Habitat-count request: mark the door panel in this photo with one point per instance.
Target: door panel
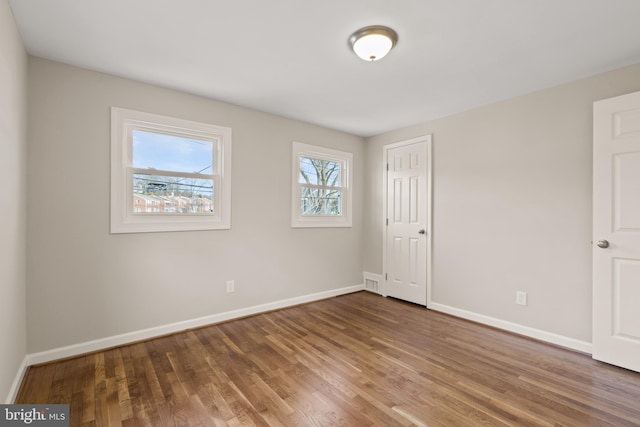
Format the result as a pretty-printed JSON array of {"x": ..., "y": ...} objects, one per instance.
[
  {"x": 616, "y": 220},
  {"x": 626, "y": 295},
  {"x": 407, "y": 213},
  {"x": 626, "y": 185}
]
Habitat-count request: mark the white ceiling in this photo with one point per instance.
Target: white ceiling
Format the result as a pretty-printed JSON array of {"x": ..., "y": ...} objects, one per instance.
[{"x": 291, "y": 58}]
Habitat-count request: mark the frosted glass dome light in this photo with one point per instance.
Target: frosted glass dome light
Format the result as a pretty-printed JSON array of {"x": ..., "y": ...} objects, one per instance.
[{"x": 373, "y": 43}]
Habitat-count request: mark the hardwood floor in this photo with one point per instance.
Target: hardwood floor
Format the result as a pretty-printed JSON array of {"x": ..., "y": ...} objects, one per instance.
[{"x": 354, "y": 360}]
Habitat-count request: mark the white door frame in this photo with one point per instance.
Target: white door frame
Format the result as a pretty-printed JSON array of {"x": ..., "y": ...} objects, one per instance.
[{"x": 427, "y": 193}]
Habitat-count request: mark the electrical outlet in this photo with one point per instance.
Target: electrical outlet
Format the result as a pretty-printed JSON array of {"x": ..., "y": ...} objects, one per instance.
[
  {"x": 231, "y": 286},
  {"x": 521, "y": 298}
]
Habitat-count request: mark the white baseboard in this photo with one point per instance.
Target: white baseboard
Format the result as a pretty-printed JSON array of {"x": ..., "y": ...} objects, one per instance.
[
  {"x": 15, "y": 387},
  {"x": 574, "y": 344},
  {"x": 145, "y": 334}
]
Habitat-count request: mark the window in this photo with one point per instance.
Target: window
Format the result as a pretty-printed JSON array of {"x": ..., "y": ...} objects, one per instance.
[
  {"x": 168, "y": 174},
  {"x": 321, "y": 195}
]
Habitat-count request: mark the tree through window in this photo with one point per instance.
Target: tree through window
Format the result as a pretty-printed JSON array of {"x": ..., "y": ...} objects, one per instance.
[
  {"x": 321, "y": 196},
  {"x": 321, "y": 193}
]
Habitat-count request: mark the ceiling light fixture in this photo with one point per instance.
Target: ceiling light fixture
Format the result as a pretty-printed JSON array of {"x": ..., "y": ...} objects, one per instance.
[{"x": 373, "y": 42}]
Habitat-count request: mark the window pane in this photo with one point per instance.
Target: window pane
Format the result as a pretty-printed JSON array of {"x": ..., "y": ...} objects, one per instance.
[
  {"x": 172, "y": 195},
  {"x": 320, "y": 201},
  {"x": 319, "y": 172},
  {"x": 171, "y": 153}
]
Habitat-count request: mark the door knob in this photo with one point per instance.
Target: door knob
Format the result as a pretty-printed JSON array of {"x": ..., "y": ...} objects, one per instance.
[
  {"x": 603, "y": 244},
  {"x": 422, "y": 231}
]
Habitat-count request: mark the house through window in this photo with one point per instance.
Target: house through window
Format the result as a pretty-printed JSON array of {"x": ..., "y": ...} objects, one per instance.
[{"x": 168, "y": 174}]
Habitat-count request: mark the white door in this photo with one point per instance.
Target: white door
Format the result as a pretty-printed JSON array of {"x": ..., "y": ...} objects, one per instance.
[
  {"x": 407, "y": 223},
  {"x": 616, "y": 231}
]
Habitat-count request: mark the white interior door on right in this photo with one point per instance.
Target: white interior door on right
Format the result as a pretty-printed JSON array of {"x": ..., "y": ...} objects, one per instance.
[
  {"x": 408, "y": 223},
  {"x": 616, "y": 231}
]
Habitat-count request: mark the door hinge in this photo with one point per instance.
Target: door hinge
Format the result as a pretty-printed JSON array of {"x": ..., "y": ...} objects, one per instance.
[
  {"x": 386, "y": 277},
  {"x": 387, "y": 167},
  {"x": 387, "y": 221}
]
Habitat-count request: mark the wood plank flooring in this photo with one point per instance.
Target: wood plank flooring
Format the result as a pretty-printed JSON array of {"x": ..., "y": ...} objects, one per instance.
[{"x": 354, "y": 360}]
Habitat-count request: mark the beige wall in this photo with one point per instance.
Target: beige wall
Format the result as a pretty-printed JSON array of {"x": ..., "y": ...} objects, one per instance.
[
  {"x": 13, "y": 139},
  {"x": 512, "y": 205},
  {"x": 86, "y": 284}
]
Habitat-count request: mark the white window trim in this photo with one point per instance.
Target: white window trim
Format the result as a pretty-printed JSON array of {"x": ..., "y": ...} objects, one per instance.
[
  {"x": 309, "y": 221},
  {"x": 123, "y": 219}
]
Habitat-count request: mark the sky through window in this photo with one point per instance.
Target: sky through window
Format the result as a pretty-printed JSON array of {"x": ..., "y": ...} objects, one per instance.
[{"x": 171, "y": 153}]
